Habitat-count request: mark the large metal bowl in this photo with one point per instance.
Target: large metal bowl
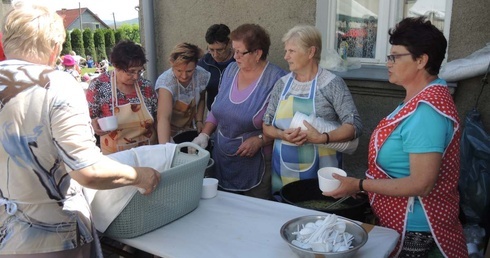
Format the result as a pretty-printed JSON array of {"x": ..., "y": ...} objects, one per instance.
[{"x": 360, "y": 237}]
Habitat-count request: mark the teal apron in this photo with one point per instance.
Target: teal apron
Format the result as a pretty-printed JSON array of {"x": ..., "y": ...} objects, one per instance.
[{"x": 291, "y": 162}]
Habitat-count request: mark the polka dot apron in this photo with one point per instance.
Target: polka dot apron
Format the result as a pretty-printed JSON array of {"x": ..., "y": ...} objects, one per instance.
[{"x": 441, "y": 205}]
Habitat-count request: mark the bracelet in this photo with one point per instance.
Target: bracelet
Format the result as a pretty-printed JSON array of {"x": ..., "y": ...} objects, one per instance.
[
  {"x": 328, "y": 138},
  {"x": 360, "y": 185}
]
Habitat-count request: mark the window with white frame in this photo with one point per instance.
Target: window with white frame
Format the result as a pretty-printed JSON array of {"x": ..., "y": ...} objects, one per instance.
[{"x": 358, "y": 29}]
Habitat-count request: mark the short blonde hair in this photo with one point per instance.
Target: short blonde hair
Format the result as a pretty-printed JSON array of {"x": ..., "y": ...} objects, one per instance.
[
  {"x": 185, "y": 53},
  {"x": 305, "y": 36},
  {"x": 32, "y": 32}
]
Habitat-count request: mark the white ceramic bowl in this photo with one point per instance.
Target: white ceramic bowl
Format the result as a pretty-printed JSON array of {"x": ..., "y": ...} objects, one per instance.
[{"x": 325, "y": 180}]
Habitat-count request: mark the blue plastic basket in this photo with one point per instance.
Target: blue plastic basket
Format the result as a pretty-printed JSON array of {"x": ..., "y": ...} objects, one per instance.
[{"x": 177, "y": 194}]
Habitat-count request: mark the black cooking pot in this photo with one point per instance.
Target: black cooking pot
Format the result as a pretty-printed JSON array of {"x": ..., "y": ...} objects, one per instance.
[
  {"x": 188, "y": 136},
  {"x": 307, "y": 194}
]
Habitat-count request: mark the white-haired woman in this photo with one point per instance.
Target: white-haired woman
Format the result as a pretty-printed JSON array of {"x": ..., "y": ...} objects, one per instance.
[
  {"x": 311, "y": 90},
  {"x": 47, "y": 148}
]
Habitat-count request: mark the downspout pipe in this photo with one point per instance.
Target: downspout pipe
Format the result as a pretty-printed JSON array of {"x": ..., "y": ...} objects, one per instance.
[{"x": 150, "y": 49}]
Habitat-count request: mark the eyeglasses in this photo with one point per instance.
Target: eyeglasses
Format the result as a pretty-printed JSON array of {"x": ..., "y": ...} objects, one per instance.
[
  {"x": 138, "y": 73},
  {"x": 240, "y": 54},
  {"x": 392, "y": 58}
]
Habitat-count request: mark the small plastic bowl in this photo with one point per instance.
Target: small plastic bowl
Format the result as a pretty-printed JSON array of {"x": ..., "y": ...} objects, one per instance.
[
  {"x": 108, "y": 123},
  {"x": 326, "y": 182}
]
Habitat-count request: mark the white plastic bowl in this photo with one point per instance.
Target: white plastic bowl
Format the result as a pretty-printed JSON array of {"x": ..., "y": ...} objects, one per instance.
[{"x": 326, "y": 182}]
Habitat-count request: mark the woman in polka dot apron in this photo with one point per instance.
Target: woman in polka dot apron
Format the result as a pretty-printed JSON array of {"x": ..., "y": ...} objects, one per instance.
[{"x": 413, "y": 162}]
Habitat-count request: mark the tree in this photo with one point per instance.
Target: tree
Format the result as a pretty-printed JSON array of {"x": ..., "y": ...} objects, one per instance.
[
  {"x": 132, "y": 32},
  {"x": 110, "y": 41},
  {"x": 77, "y": 42},
  {"x": 120, "y": 35},
  {"x": 66, "y": 45},
  {"x": 88, "y": 42},
  {"x": 99, "y": 42}
]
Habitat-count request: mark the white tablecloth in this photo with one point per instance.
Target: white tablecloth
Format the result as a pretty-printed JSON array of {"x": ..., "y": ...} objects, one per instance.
[{"x": 232, "y": 225}]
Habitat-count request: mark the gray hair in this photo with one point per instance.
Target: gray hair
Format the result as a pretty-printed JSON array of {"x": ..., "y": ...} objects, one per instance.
[{"x": 305, "y": 36}]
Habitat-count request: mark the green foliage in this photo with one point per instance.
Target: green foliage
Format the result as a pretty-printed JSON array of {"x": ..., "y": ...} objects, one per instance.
[
  {"x": 110, "y": 41},
  {"x": 88, "y": 42},
  {"x": 99, "y": 41},
  {"x": 77, "y": 42},
  {"x": 66, "y": 45},
  {"x": 120, "y": 35},
  {"x": 132, "y": 31}
]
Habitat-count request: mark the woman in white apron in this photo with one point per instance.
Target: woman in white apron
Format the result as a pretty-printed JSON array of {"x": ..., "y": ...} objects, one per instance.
[
  {"x": 311, "y": 90},
  {"x": 181, "y": 91},
  {"x": 125, "y": 94}
]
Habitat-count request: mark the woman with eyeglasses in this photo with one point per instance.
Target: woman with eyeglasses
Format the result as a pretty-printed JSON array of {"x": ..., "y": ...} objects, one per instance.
[
  {"x": 219, "y": 56},
  {"x": 241, "y": 152},
  {"x": 181, "y": 92},
  {"x": 413, "y": 162},
  {"x": 124, "y": 93},
  {"x": 313, "y": 91}
]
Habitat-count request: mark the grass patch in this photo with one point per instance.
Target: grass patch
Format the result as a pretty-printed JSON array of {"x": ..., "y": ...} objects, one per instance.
[
  {"x": 92, "y": 70},
  {"x": 88, "y": 70}
]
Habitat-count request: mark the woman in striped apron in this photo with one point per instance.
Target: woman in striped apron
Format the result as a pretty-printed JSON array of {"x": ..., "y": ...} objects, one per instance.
[{"x": 311, "y": 90}]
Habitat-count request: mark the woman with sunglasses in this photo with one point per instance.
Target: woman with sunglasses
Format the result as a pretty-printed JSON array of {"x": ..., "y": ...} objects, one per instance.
[
  {"x": 219, "y": 56},
  {"x": 124, "y": 93},
  {"x": 181, "y": 91},
  {"x": 241, "y": 152}
]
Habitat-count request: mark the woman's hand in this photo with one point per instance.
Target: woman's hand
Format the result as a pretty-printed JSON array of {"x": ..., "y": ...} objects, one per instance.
[
  {"x": 294, "y": 135},
  {"x": 348, "y": 186},
  {"x": 97, "y": 129},
  {"x": 147, "y": 179},
  {"x": 312, "y": 134},
  {"x": 249, "y": 147}
]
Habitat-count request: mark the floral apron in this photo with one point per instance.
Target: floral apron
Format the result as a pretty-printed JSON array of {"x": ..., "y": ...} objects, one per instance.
[
  {"x": 135, "y": 124},
  {"x": 183, "y": 113},
  {"x": 291, "y": 162},
  {"x": 441, "y": 205}
]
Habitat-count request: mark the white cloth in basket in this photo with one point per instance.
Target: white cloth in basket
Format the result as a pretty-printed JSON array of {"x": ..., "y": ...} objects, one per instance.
[{"x": 106, "y": 205}]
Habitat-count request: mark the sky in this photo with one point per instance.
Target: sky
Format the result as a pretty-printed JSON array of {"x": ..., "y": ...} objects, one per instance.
[{"x": 123, "y": 9}]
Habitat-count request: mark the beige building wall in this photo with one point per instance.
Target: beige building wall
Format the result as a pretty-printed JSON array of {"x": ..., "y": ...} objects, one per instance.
[
  {"x": 179, "y": 21},
  {"x": 184, "y": 20},
  {"x": 5, "y": 7}
]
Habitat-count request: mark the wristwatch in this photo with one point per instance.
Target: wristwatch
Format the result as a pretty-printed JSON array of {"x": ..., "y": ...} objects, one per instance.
[{"x": 261, "y": 137}]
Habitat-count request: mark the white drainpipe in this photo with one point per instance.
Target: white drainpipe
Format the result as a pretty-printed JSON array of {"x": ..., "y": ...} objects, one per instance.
[{"x": 150, "y": 50}]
